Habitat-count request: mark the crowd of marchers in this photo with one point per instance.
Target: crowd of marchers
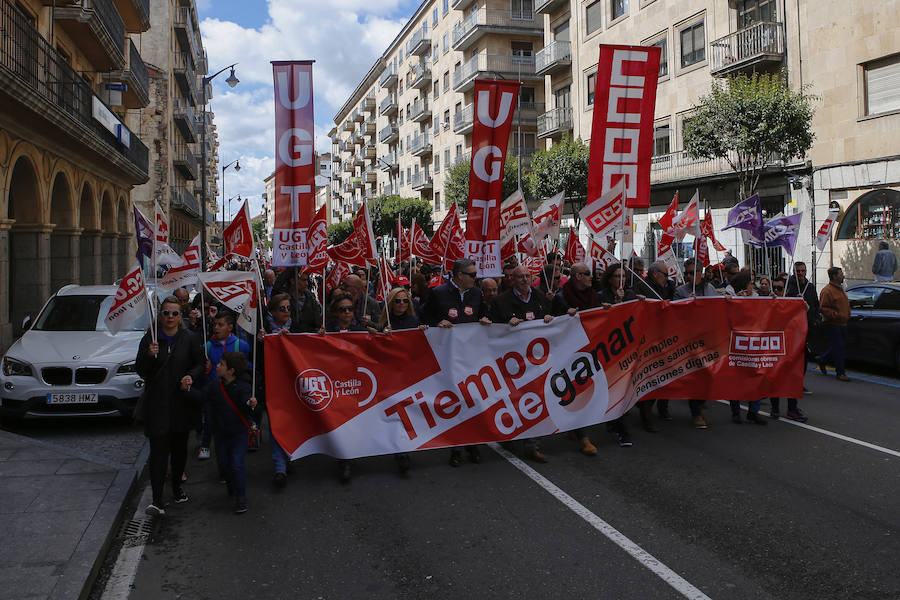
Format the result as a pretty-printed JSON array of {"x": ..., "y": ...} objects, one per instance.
[{"x": 200, "y": 368}]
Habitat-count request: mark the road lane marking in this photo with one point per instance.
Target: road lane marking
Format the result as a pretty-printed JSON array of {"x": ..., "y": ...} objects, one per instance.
[
  {"x": 826, "y": 432},
  {"x": 680, "y": 585},
  {"x": 121, "y": 579}
]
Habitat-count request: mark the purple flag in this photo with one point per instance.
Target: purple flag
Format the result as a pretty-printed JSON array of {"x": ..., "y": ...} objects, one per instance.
[
  {"x": 145, "y": 233},
  {"x": 780, "y": 231},
  {"x": 747, "y": 215}
]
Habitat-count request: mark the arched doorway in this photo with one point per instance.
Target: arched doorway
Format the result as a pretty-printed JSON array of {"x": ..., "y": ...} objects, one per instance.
[
  {"x": 28, "y": 274},
  {"x": 124, "y": 261},
  {"x": 88, "y": 221},
  {"x": 64, "y": 238},
  {"x": 108, "y": 240}
]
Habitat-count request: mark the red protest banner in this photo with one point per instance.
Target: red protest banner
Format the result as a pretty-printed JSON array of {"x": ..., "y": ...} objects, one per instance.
[
  {"x": 415, "y": 390},
  {"x": 495, "y": 103},
  {"x": 295, "y": 171},
  {"x": 622, "y": 127}
]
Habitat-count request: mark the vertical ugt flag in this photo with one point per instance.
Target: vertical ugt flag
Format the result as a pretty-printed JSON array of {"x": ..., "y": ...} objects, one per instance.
[
  {"x": 495, "y": 102},
  {"x": 295, "y": 171}
]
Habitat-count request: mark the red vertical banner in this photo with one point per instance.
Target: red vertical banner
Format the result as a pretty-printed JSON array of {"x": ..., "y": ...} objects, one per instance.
[
  {"x": 295, "y": 170},
  {"x": 622, "y": 129},
  {"x": 495, "y": 104}
]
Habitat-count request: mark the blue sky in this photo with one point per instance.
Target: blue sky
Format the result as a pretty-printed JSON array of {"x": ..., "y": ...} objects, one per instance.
[{"x": 253, "y": 34}]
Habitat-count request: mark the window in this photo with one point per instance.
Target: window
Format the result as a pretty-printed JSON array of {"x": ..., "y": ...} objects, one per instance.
[
  {"x": 401, "y": 177},
  {"x": 434, "y": 53},
  {"x": 591, "y": 86},
  {"x": 400, "y": 117},
  {"x": 882, "y": 81},
  {"x": 400, "y": 55},
  {"x": 434, "y": 16},
  {"x": 445, "y": 42},
  {"x": 522, "y": 9},
  {"x": 663, "y": 57},
  {"x": 693, "y": 48},
  {"x": 888, "y": 300},
  {"x": 446, "y": 7},
  {"x": 437, "y": 198},
  {"x": 437, "y": 162},
  {"x": 447, "y": 157},
  {"x": 754, "y": 11},
  {"x": 522, "y": 53},
  {"x": 594, "y": 16},
  {"x": 617, "y": 8},
  {"x": 875, "y": 216},
  {"x": 562, "y": 97},
  {"x": 526, "y": 98},
  {"x": 436, "y": 88},
  {"x": 561, "y": 33},
  {"x": 446, "y": 79},
  {"x": 458, "y": 151},
  {"x": 400, "y": 89},
  {"x": 447, "y": 118},
  {"x": 661, "y": 140},
  {"x": 864, "y": 297}
]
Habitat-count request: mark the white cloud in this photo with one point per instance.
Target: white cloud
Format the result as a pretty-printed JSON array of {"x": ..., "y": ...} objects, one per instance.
[{"x": 344, "y": 37}]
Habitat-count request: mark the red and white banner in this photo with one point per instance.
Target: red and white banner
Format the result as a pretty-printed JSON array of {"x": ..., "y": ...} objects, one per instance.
[
  {"x": 708, "y": 231},
  {"x": 130, "y": 303},
  {"x": 239, "y": 291},
  {"x": 185, "y": 272},
  {"x": 548, "y": 216},
  {"x": 534, "y": 264},
  {"x": 665, "y": 221},
  {"x": 606, "y": 215},
  {"x": 622, "y": 129},
  {"x": 239, "y": 234},
  {"x": 295, "y": 169},
  {"x": 664, "y": 244},
  {"x": 359, "y": 247},
  {"x": 688, "y": 221},
  {"x": 356, "y": 394},
  {"x": 601, "y": 256},
  {"x": 495, "y": 103},
  {"x": 336, "y": 276},
  {"x": 402, "y": 251},
  {"x": 448, "y": 241},
  {"x": 514, "y": 218},
  {"x": 421, "y": 245},
  {"x": 162, "y": 226},
  {"x": 824, "y": 233},
  {"x": 575, "y": 252},
  {"x": 317, "y": 242}
]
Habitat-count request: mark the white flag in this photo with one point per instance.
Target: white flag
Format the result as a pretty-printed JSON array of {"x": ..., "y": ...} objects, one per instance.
[
  {"x": 238, "y": 290},
  {"x": 824, "y": 233},
  {"x": 548, "y": 216},
  {"x": 130, "y": 302},
  {"x": 185, "y": 271},
  {"x": 604, "y": 216}
]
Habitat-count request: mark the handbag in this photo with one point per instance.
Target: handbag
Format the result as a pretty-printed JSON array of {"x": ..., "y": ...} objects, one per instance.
[{"x": 254, "y": 434}]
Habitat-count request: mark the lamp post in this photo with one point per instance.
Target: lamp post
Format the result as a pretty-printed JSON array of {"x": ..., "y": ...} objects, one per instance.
[
  {"x": 237, "y": 167},
  {"x": 231, "y": 81}
]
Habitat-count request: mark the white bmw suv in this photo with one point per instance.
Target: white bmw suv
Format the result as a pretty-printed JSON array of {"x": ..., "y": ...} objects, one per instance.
[{"x": 69, "y": 364}]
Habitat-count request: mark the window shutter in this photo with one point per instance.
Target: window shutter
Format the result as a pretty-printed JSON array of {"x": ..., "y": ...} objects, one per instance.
[{"x": 883, "y": 86}]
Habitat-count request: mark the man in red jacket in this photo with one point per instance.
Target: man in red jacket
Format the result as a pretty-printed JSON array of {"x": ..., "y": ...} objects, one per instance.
[{"x": 835, "y": 308}]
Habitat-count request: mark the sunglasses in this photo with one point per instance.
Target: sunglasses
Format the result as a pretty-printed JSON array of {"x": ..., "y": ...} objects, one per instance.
[
  {"x": 284, "y": 308},
  {"x": 472, "y": 274},
  {"x": 401, "y": 300},
  {"x": 345, "y": 309},
  {"x": 168, "y": 313}
]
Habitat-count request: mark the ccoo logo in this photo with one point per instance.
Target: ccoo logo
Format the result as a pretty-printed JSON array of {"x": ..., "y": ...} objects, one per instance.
[
  {"x": 757, "y": 343},
  {"x": 314, "y": 389}
]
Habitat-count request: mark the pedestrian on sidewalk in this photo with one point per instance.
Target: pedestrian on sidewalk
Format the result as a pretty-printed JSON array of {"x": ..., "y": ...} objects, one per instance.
[
  {"x": 835, "y": 307},
  {"x": 175, "y": 360},
  {"x": 885, "y": 264}
]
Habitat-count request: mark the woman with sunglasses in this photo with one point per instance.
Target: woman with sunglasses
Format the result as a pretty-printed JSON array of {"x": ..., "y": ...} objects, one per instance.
[
  {"x": 174, "y": 360},
  {"x": 402, "y": 313}
]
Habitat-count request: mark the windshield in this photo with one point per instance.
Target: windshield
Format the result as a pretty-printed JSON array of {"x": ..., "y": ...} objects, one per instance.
[{"x": 82, "y": 313}]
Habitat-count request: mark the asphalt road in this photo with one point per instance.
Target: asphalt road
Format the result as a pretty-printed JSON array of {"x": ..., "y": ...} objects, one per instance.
[{"x": 736, "y": 511}]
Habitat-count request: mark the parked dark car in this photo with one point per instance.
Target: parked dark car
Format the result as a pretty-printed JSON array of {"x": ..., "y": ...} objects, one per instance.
[{"x": 873, "y": 333}]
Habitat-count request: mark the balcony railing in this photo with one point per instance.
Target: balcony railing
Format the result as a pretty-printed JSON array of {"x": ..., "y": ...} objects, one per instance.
[
  {"x": 763, "y": 41},
  {"x": 420, "y": 75},
  {"x": 518, "y": 67},
  {"x": 138, "y": 68},
  {"x": 135, "y": 77},
  {"x": 484, "y": 21},
  {"x": 388, "y": 162},
  {"x": 31, "y": 68},
  {"x": 554, "y": 122},
  {"x": 99, "y": 22},
  {"x": 184, "y": 29},
  {"x": 369, "y": 128},
  {"x": 420, "y": 145},
  {"x": 368, "y": 103},
  {"x": 419, "y": 111},
  {"x": 184, "y": 200},
  {"x": 388, "y": 76},
  {"x": 554, "y": 55},
  {"x": 464, "y": 119},
  {"x": 185, "y": 119},
  {"x": 388, "y": 134},
  {"x": 548, "y": 6},
  {"x": 420, "y": 42},
  {"x": 348, "y": 125},
  {"x": 184, "y": 75},
  {"x": 388, "y": 105},
  {"x": 183, "y": 160},
  {"x": 678, "y": 166},
  {"x": 357, "y": 116},
  {"x": 421, "y": 181}
]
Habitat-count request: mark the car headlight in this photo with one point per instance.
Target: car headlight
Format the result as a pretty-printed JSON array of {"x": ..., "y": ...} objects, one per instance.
[
  {"x": 126, "y": 368},
  {"x": 12, "y": 367}
]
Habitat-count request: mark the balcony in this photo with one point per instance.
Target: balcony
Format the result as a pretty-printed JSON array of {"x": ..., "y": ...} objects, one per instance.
[
  {"x": 342, "y": 147},
  {"x": 553, "y": 57},
  {"x": 185, "y": 77},
  {"x": 388, "y": 77},
  {"x": 370, "y": 129},
  {"x": 185, "y": 23},
  {"x": 388, "y": 106},
  {"x": 348, "y": 125},
  {"x": 368, "y": 103},
  {"x": 548, "y": 6},
  {"x": 97, "y": 29},
  {"x": 183, "y": 160},
  {"x": 761, "y": 44},
  {"x": 419, "y": 76},
  {"x": 371, "y": 176},
  {"x": 464, "y": 119},
  {"x": 370, "y": 152},
  {"x": 347, "y": 166},
  {"x": 554, "y": 123},
  {"x": 356, "y": 182},
  {"x": 506, "y": 66},
  {"x": 347, "y": 187},
  {"x": 358, "y": 160},
  {"x": 420, "y": 42},
  {"x": 135, "y": 14},
  {"x": 389, "y": 134},
  {"x": 421, "y": 181},
  {"x": 356, "y": 116},
  {"x": 37, "y": 82},
  {"x": 183, "y": 199},
  {"x": 527, "y": 152},
  {"x": 484, "y": 21},
  {"x": 136, "y": 80},
  {"x": 460, "y": 4},
  {"x": 185, "y": 120},
  {"x": 527, "y": 113},
  {"x": 419, "y": 111},
  {"x": 388, "y": 162},
  {"x": 420, "y": 145},
  {"x": 355, "y": 139}
]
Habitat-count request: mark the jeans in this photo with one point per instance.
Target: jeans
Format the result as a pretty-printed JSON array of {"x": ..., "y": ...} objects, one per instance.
[
  {"x": 696, "y": 407},
  {"x": 206, "y": 430},
  {"x": 837, "y": 339},
  {"x": 161, "y": 448},
  {"x": 792, "y": 404},
  {"x": 753, "y": 407},
  {"x": 235, "y": 449},
  {"x": 279, "y": 456}
]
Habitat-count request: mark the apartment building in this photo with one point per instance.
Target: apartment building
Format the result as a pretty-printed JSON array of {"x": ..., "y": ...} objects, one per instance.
[
  {"x": 72, "y": 83},
  {"x": 850, "y": 58},
  {"x": 177, "y": 64},
  {"x": 410, "y": 118}
]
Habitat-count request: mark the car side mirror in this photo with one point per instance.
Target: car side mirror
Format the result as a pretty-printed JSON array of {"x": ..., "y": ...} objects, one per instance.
[{"x": 26, "y": 323}]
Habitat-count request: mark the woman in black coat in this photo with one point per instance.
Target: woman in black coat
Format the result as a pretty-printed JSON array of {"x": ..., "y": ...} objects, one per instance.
[{"x": 167, "y": 413}]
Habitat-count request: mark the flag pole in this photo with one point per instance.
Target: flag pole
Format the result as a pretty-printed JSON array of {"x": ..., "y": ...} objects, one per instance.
[
  {"x": 153, "y": 266},
  {"x": 203, "y": 317},
  {"x": 387, "y": 309},
  {"x": 259, "y": 290}
]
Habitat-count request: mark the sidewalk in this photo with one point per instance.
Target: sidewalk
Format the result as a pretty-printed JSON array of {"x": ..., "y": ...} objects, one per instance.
[{"x": 59, "y": 509}]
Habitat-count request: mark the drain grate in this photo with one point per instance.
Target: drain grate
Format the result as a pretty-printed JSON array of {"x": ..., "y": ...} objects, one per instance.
[{"x": 136, "y": 532}]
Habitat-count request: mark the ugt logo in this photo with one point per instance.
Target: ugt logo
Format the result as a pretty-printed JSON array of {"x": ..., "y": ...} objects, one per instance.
[{"x": 314, "y": 389}]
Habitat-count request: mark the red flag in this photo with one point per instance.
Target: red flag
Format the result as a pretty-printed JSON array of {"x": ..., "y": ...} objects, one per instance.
[
  {"x": 707, "y": 231},
  {"x": 495, "y": 103},
  {"x": 336, "y": 276},
  {"x": 665, "y": 222},
  {"x": 420, "y": 245},
  {"x": 548, "y": 216},
  {"x": 239, "y": 235},
  {"x": 162, "y": 227},
  {"x": 403, "y": 244},
  {"x": 622, "y": 127},
  {"x": 702, "y": 251},
  {"x": 509, "y": 249},
  {"x": 575, "y": 252},
  {"x": 359, "y": 248},
  {"x": 527, "y": 246},
  {"x": 447, "y": 242},
  {"x": 239, "y": 291},
  {"x": 688, "y": 222},
  {"x": 317, "y": 242},
  {"x": 664, "y": 244},
  {"x": 601, "y": 255},
  {"x": 534, "y": 264},
  {"x": 387, "y": 280}
]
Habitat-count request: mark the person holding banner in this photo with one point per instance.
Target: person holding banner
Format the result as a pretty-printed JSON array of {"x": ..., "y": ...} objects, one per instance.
[
  {"x": 657, "y": 285},
  {"x": 798, "y": 286},
  {"x": 402, "y": 314},
  {"x": 793, "y": 413},
  {"x": 695, "y": 285},
  {"x": 176, "y": 359}
]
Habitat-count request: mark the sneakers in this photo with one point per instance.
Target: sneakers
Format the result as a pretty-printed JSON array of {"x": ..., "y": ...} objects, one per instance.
[
  {"x": 279, "y": 479},
  {"x": 796, "y": 415},
  {"x": 474, "y": 454},
  {"x": 180, "y": 496},
  {"x": 843, "y": 377},
  {"x": 806, "y": 390},
  {"x": 774, "y": 414},
  {"x": 537, "y": 456},
  {"x": 455, "y": 458},
  {"x": 587, "y": 448},
  {"x": 699, "y": 422},
  {"x": 240, "y": 506},
  {"x": 756, "y": 419},
  {"x": 624, "y": 439},
  {"x": 203, "y": 453},
  {"x": 154, "y": 511}
]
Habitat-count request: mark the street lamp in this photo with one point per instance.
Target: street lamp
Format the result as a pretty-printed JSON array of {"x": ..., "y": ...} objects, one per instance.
[
  {"x": 231, "y": 81},
  {"x": 237, "y": 167}
]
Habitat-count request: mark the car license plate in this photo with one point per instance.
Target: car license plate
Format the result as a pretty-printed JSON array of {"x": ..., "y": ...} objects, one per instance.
[{"x": 72, "y": 398}]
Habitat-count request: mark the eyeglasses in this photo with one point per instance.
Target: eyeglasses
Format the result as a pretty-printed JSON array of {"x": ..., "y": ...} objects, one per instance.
[
  {"x": 345, "y": 309},
  {"x": 401, "y": 300},
  {"x": 168, "y": 313},
  {"x": 778, "y": 288},
  {"x": 285, "y": 308},
  {"x": 581, "y": 272},
  {"x": 472, "y": 274}
]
